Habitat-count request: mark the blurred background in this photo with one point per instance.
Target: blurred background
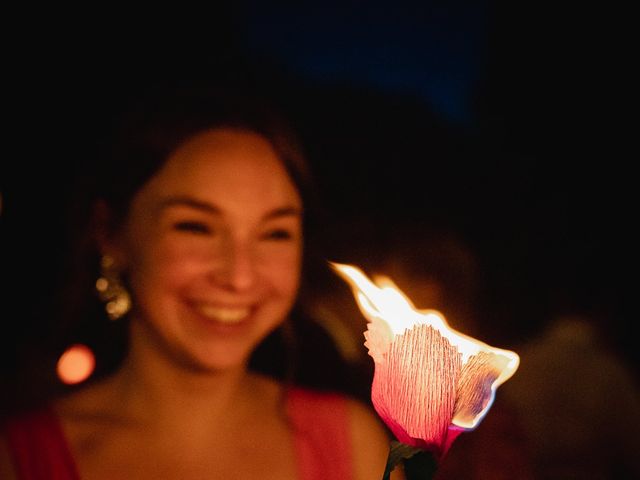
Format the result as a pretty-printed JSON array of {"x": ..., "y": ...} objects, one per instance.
[{"x": 483, "y": 142}]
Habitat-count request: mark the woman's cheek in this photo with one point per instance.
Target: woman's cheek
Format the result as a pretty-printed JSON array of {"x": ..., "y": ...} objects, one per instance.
[
  {"x": 284, "y": 270},
  {"x": 166, "y": 263}
]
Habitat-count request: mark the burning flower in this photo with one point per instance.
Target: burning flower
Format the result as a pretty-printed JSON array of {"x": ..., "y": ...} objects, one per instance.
[{"x": 430, "y": 383}]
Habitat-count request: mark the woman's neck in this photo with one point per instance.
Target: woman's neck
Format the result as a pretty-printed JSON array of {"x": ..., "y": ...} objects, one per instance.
[{"x": 154, "y": 389}]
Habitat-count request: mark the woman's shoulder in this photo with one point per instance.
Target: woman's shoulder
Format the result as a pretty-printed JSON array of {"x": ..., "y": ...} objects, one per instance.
[
  {"x": 40, "y": 438},
  {"x": 92, "y": 400},
  {"x": 89, "y": 415},
  {"x": 341, "y": 417},
  {"x": 6, "y": 463},
  {"x": 356, "y": 412},
  {"x": 358, "y": 416},
  {"x": 369, "y": 440},
  {"x": 32, "y": 441}
]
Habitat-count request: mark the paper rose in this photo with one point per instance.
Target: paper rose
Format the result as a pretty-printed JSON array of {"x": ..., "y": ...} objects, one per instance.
[{"x": 430, "y": 382}]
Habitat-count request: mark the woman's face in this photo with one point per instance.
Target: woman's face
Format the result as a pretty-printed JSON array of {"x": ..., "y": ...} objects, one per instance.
[{"x": 212, "y": 246}]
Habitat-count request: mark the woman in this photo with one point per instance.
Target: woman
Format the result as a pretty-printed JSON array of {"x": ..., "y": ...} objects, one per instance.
[{"x": 202, "y": 226}]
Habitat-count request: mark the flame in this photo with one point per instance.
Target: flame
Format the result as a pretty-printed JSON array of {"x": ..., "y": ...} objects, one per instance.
[{"x": 391, "y": 314}]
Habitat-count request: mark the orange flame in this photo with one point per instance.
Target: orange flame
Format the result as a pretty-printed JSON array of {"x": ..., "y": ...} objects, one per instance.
[{"x": 392, "y": 315}]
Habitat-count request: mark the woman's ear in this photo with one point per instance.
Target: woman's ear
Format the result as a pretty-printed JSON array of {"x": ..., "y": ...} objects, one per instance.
[{"x": 105, "y": 232}]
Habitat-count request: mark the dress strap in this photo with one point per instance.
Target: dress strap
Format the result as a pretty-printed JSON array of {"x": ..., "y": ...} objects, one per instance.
[
  {"x": 38, "y": 447},
  {"x": 321, "y": 434}
]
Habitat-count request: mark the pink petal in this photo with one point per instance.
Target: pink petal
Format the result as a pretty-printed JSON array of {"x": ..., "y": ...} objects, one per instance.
[
  {"x": 378, "y": 340},
  {"x": 414, "y": 389},
  {"x": 475, "y": 393}
]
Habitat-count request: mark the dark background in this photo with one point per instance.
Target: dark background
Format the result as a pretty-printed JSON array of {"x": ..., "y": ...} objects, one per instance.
[{"x": 501, "y": 122}]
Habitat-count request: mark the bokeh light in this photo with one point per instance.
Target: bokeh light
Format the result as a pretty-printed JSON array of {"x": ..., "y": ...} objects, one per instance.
[{"x": 76, "y": 364}]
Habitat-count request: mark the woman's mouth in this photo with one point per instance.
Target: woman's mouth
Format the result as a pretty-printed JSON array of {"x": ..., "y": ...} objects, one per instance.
[{"x": 226, "y": 315}]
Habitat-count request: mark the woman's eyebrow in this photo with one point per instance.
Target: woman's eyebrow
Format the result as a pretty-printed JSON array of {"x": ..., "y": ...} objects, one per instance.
[
  {"x": 288, "y": 211},
  {"x": 207, "y": 207},
  {"x": 190, "y": 202}
]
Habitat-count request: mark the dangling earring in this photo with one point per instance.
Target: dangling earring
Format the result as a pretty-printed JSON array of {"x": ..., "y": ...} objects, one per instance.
[{"x": 111, "y": 291}]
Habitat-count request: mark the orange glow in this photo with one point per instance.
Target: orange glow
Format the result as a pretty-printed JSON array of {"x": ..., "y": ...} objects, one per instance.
[{"x": 76, "y": 364}]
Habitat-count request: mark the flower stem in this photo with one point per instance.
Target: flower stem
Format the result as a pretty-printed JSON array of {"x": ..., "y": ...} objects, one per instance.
[
  {"x": 421, "y": 466},
  {"x": 418, "y": 464}
]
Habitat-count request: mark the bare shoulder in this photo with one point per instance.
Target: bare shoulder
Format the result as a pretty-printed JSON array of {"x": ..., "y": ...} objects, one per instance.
[
  {"x": 68, "y": 408},
  {"x": 87, "y": 401},
  {"x": 87, "y": 414},
  {"x": 370, "y": 442},
  {"x": 6, "y": 465}
]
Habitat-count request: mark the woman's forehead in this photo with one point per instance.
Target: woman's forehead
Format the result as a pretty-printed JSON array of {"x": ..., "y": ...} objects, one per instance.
[
  {"x": 232, "y": 169},
  {"x": 224, "y": 141}
]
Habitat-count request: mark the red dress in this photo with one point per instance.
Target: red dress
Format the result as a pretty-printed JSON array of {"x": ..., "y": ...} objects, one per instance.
[{"x": 320, "y": 424}]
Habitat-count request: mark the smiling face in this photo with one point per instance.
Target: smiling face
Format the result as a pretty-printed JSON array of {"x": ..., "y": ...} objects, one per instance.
[{"x": 212, "y": 247}]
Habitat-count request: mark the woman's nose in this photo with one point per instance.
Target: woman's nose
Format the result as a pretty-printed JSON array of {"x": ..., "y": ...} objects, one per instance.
[{"x": 236, "y": 271}]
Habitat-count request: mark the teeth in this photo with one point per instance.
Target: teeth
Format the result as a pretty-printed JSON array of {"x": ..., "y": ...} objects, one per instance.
[{"x": 223, "y": 314}]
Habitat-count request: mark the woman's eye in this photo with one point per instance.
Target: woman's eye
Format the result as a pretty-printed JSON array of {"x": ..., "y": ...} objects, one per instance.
[
  {"x": 193, "y": 227},
  {"x": 278, "y": 234}
]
